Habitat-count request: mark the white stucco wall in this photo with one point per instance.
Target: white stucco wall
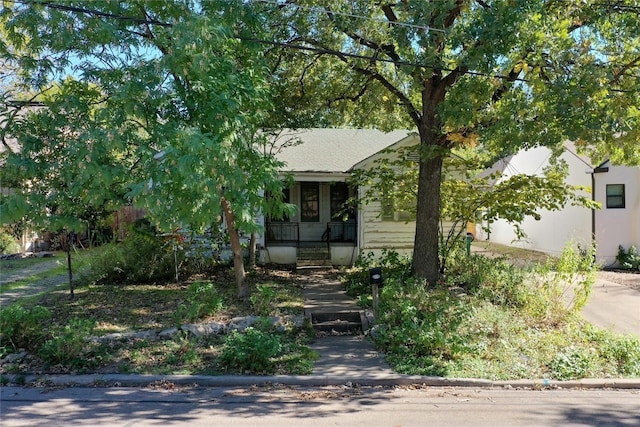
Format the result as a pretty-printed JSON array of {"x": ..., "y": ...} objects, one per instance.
[
  {"x": 617, "y": 226},
  {"x": 555, "y": 229},
  {"x": 343, "y": 255},
  {"x": 279, "y": 255}
]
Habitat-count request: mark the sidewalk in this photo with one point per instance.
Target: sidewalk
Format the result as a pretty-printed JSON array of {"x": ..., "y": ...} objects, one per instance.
[{"x": 341, "y": 356}]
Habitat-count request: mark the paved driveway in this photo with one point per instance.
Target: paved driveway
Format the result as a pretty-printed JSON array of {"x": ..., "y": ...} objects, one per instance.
[{"x": 614, "y": 306}]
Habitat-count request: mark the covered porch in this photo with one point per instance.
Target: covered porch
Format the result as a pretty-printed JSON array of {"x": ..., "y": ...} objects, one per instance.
[{"x": 323, "y": 228}]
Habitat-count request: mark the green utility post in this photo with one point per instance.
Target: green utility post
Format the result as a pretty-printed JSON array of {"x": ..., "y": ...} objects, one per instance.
[{"x": 469, "y": 240}]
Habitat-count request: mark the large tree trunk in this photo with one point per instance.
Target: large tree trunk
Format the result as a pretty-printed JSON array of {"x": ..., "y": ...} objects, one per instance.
[
  {"x": 426, "y": 262},
  {"x": 236, "y": 249}
]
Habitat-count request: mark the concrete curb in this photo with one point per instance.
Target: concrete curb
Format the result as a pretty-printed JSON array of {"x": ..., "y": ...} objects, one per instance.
[{"x": 122, "y": 380}]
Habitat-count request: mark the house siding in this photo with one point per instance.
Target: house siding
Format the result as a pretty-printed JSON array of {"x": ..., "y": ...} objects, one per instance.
[
  {"x": 376, "y": 234},
  {"x": 379, "y": 234}
]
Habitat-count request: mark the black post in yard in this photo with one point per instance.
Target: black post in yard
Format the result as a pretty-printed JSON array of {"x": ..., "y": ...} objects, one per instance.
[
  {"x": 69, "y": 237},
  {"x": 375, "y": 278}
]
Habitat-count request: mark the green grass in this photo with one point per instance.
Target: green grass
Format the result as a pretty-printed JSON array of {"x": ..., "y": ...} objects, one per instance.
[
  {"x": 56, "y": 271},
  {"x": 6, "y": 266}
]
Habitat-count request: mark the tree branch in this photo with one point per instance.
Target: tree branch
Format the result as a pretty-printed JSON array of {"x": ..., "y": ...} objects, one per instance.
[
  {"x": 404, "y": 100},
  {"x": 511, "y": 77},
  {"x": 388, "y": 49},
  {"x": 626, "y": 67}
]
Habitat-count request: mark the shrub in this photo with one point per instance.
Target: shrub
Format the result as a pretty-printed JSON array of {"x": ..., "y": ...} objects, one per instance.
[
  {"x": 139, "y": 258},
  {"x": 251, "y": 351},
  {"x": 628, "y": 260},
  {"x": 8, "y": 244},
  {"x": 203, "y": 301},
  {"x": 69, "y": 344},
  {"x": 22, "y": 327}
]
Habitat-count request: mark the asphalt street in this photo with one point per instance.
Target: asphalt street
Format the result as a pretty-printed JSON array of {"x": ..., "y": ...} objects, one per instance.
[{"x": 286, "y": 406}]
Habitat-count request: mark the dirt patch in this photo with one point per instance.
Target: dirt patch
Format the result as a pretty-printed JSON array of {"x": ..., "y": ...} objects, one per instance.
[{"x": 626, "y": 278}]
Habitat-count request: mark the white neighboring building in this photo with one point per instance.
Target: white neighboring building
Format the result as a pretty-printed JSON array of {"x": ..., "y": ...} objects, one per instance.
[
  {"x": 551, "y": 233},
  {"x": 617, "y": 189}
]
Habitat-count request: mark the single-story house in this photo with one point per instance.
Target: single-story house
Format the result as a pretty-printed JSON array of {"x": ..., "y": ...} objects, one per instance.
[
  {"x": 616, "y": 188},
  {"x": 321, "y": 229}
]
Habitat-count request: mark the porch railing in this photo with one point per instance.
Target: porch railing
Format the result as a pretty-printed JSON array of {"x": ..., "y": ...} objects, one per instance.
[
  {"x": 289, "y": 232},
  {"x": 342, "y": 231},
  {"x": 283, "y": 232}
]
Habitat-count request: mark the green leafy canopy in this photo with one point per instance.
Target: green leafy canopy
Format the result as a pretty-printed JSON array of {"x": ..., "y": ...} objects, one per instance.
[{"x": 153, "y": 104}]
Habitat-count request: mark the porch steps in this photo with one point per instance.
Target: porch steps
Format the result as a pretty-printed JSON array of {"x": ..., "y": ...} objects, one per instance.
[
  {"x": 313, "y": 257},
  {"x": 345, "y": 322}
]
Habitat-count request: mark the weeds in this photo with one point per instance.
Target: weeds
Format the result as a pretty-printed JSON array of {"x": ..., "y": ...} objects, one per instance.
[
  {"x": 422, "y": 325},
  {"x": 8, "y": 244},
  {"x": 69, "y": 345},
  {"x": 487, "y": 318},
  {"x": 140, "y": 258},
  {"x": 22, "y": 327},
  {"x": 251, "y": 351},
  {"x": 571, "y": 363},
  {"x": 263, "y": 349},
  {"x": 394, "y": 267},
  {"x": 263, "y": 300},
  {"x": 561, "y": 286},
  {"x": 62, "y": 345}
]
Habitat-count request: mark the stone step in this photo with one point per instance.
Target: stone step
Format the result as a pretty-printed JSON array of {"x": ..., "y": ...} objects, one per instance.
[
  {"x": 313, "y": 253},
  {"x": 339, "y": 322},
  {"x": 313, "y": 263}
]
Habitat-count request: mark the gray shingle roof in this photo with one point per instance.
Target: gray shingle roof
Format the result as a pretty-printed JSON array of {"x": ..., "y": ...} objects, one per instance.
[{"x": 334, "y": 150}]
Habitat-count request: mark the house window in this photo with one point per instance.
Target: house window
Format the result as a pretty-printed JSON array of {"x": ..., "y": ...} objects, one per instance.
[
  {"x": 339, "y": 196},
  {"x": 388, "y": 211},
  {"x": 393, "y": 210},
  {"x": 615, "y": 195},
  {"x": 309, "y": 202}
]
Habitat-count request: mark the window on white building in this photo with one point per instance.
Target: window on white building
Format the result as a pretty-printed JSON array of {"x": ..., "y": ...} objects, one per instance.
[{"x": 615, "y": 195}]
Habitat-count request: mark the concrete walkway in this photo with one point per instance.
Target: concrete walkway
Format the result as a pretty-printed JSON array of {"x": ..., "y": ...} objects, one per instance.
[
  {"x": 340, "y": 355},
  {"x": 323, "y": 292}
]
